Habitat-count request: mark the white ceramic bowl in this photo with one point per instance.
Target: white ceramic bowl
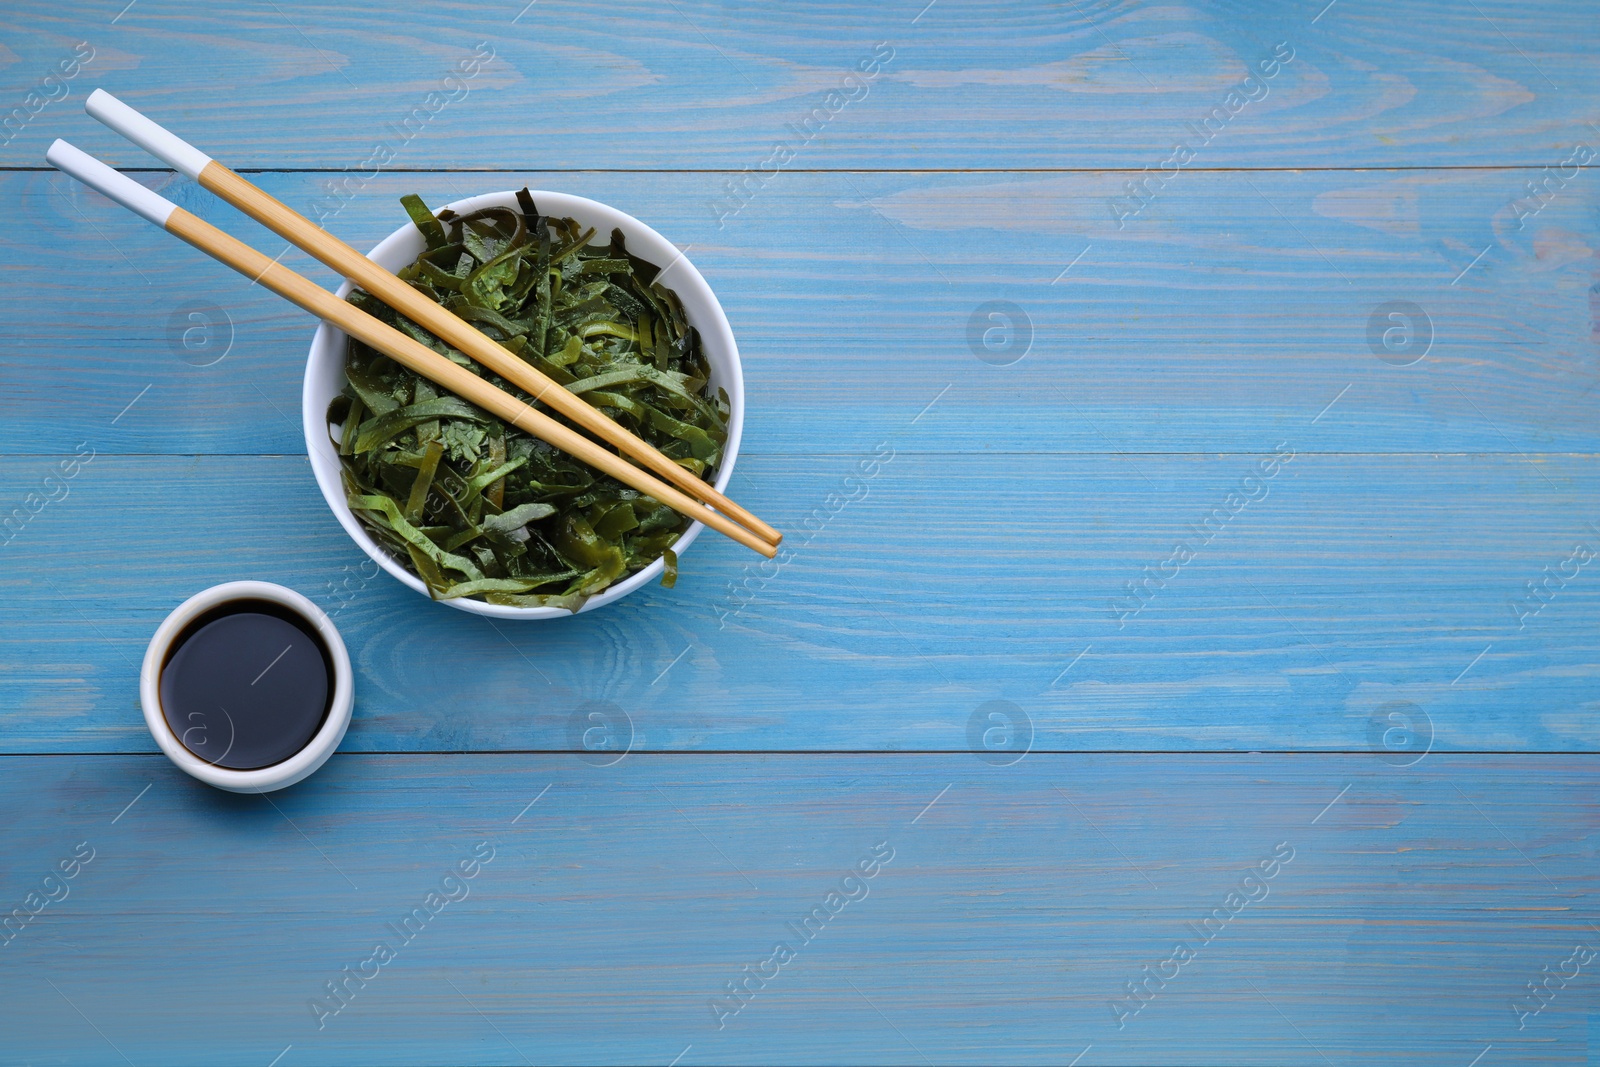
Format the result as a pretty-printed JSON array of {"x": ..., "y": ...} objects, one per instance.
[
  {"x": 325, "y": 377},
  {"x": 264, "y": 779}
]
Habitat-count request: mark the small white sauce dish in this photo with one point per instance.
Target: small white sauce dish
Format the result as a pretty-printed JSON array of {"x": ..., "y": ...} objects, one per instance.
[{"x": 278, "y": 775}]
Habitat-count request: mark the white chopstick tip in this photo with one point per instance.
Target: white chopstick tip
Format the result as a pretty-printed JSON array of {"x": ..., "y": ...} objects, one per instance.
[
  {"x": 160, "y": 142},
  {"x": 102, "y": 179}
]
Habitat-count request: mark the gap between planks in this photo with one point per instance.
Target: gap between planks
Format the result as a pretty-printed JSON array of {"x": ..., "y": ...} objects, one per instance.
[
  {"x": 835, "y": 170},
  {"x": 962, "y": 753}
]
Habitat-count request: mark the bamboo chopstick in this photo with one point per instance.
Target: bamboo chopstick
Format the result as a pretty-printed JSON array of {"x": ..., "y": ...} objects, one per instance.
[
  {"x": 385, "y": 338},
  {"x": 381, "y": 283}
]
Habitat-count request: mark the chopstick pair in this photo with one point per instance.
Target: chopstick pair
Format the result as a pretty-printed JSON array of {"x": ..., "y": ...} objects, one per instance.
[{"x": 283, "y": 220}]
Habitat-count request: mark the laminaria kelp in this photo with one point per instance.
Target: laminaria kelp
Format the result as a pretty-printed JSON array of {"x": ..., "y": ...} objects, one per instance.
[{"x": 479, "y": 508}]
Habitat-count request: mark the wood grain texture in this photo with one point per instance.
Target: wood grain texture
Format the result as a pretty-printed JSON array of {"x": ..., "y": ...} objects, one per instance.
[
  {"x": 1416, "y": 905},
  {"x": 1369, "y": 603},
  {"x": 695, "y": 85},
  {"x": 1353, "y": 583},
  {"x": 1226, "y": 318}
]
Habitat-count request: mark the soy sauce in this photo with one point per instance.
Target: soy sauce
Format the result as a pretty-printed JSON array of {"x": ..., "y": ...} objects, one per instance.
[{"x": 247, "y": 685}]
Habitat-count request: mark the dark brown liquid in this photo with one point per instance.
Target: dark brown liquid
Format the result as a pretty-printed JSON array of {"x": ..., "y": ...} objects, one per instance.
[{"x": 246, "y": 685}]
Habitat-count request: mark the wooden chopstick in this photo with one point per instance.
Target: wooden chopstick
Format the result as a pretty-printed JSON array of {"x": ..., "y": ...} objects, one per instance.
[
  {"x": 385, "y": 338},
  {"x": 419, "y": 308}
]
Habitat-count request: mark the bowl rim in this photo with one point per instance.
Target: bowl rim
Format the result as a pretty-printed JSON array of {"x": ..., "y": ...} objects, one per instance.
[
  {"x": 263, "y": 779},
  {"x": 716, "y": 335}
]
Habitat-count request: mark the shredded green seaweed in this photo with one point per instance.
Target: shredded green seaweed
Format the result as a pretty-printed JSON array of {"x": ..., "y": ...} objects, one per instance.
[{"x": 477, "y": 507}]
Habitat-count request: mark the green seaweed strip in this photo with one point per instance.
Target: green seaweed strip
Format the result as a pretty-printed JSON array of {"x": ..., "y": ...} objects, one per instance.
[
  {"x": 424, "y": 482},
  {"x": 379, "y": 431},
  {"x": 347, "y": 433},
  {"x": 499, "y": 585},
  {"x": 489, "y": 477},
  {"x": 518, "y": 517},
  {"x": 427, "y": 572},
  {"x": 412, "y": 535},
  {"x": 432, "y": 232}
]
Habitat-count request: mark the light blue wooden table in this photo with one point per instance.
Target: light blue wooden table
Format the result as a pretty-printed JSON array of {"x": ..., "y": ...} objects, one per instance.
[{"x": 1226, "y": 380}]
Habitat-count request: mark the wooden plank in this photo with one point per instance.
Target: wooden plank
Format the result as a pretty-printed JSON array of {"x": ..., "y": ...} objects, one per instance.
[
  {"x": 1414, "y": 906},
  {"x": 697, "y": 85},
  {"x": 1349, "y": 584},
  {"x": 1226, "y": 318}
]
